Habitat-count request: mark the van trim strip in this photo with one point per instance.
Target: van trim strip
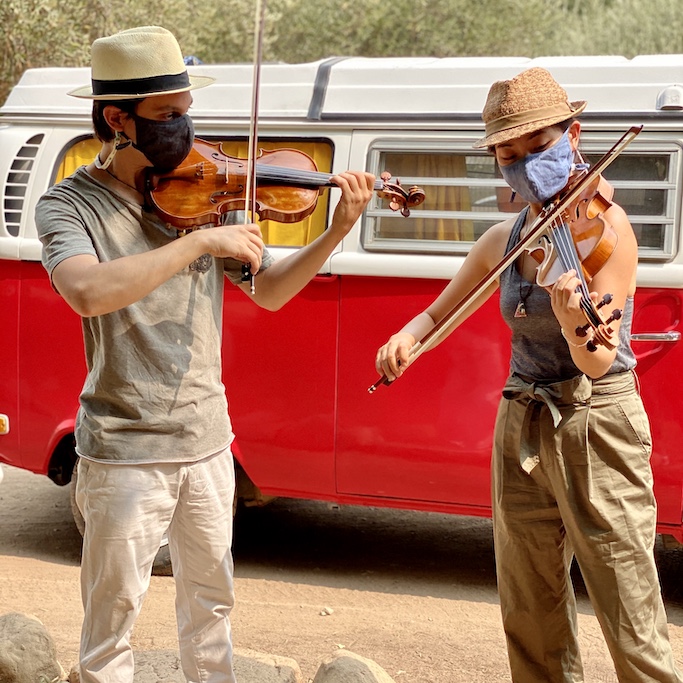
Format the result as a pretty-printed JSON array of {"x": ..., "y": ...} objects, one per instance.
[
  {"x": 322, "y": 80},
  {"x": 657, "y": 336}
]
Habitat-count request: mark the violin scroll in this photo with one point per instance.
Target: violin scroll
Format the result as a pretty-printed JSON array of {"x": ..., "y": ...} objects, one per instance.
[
  {"x": 603, "y": 334},
  {"x": 400, "y": 198}
]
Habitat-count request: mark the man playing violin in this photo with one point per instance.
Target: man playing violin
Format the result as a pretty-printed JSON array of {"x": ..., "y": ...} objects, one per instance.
[
  {"x": 570, "y": 466},
  {"x": 153, "y": 432}
]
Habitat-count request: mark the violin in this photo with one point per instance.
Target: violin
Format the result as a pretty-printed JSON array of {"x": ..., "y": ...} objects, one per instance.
[
  {"x": 580, "y": 238},
  {"x": 208, "y": 184},
  {"x": 570, "y": 225}
]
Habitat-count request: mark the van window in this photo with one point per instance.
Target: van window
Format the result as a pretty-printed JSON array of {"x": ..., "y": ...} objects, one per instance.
[
  {"x": 645, "y": 187},
  {"x": 297, "y": 234},
  {"x": 465, "y": 195}
]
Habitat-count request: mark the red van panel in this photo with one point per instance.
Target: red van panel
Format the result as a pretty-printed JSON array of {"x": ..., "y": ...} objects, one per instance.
[{"x": 297, "y": 384}]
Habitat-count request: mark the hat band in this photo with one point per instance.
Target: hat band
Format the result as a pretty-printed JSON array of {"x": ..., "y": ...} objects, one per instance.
[
  {"x": 136, "y": 86},
  {"x": 514, "y": 120}
]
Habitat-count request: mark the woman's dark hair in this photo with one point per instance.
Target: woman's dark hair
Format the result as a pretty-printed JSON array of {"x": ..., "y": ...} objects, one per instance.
[
  {"x": 102, "y": 130},
  {"x": 562, "y": 125}
]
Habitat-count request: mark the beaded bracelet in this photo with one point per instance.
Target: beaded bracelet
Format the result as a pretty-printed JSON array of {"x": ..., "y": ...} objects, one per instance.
[{"x": 577, "y": 346}]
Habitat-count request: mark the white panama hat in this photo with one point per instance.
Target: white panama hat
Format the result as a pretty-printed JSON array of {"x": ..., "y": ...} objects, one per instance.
[{"x": 137, "y": 63}]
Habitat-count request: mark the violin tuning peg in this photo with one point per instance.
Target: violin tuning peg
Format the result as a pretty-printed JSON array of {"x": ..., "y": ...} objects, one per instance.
[
  {"x": 591, "y": 346},
  {"x": 616, "y": 315},
  {"x": 605, "y": 300}
]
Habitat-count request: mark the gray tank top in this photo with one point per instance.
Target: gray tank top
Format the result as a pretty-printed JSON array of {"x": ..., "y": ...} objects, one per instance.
[{"x": 539, "y": 351}]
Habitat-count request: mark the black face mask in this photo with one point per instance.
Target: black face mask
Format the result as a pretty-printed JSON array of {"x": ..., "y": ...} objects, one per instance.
[{"x": 164, "y": 143}]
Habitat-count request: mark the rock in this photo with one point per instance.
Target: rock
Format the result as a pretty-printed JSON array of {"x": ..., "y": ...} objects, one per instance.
[
  {"x": 257, "y": 667},
  {"x": 163, "y": 666},
  {"x": 347, "y": 667},
  {"x": 27, "y": 651}
]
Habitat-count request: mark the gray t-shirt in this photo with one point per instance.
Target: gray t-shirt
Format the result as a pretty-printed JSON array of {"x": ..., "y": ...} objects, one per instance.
[{"x": 154, "y": 391}]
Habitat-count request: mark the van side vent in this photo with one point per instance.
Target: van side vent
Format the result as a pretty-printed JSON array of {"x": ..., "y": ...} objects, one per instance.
[{"x": 17, "y": 183}]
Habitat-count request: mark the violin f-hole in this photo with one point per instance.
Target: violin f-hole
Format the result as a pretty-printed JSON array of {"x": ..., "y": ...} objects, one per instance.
[{"x": 215, "y": 196}]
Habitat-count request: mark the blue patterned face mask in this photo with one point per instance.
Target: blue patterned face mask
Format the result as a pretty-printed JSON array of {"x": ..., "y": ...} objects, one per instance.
[{"x": 539, "y": 177}]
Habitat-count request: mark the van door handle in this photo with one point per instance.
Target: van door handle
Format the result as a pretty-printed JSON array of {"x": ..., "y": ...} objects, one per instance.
[{"x": 657, "y": 336}]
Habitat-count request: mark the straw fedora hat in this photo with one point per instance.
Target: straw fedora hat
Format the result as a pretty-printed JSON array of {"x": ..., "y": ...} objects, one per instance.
[
  {"x": 139, "y": 62},
  {"x": 524, "y": 104}
]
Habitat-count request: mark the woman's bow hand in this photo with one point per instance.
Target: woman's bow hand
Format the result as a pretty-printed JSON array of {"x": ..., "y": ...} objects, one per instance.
[{"x": 394, "y": 357}]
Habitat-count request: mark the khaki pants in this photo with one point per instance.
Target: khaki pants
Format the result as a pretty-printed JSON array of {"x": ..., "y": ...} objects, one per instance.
[
  {"x": 127, "y": 509},
  {"x": 571, "y": 477}
]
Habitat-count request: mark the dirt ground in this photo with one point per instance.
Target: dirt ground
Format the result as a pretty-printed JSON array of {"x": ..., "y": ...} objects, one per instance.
[{"x": 415, "y": 592}]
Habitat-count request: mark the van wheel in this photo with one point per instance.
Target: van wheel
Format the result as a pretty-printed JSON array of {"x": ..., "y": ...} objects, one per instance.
[{"x": 162, "y": 561}]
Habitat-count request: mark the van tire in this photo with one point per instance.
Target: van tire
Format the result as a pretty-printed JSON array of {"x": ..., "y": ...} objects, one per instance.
[{"x": 162, "y": 561}]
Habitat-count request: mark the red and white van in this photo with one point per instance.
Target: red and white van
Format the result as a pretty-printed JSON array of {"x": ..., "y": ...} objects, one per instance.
[{"x": 297, "y": 379}]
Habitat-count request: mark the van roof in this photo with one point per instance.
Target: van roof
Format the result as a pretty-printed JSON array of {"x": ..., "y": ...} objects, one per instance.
[{"x": 383, "y": 88}]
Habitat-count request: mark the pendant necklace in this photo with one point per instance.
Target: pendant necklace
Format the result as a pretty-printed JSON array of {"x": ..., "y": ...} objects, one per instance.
[
  {"x": 525, "y": 286},
  {"x": 520, "y": 311}
]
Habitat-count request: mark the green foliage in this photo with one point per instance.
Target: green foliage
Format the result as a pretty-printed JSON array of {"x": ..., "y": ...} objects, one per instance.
[
  {"x": 59, "y": 32},
  {"x": 413, "y": 28},
  {"x": 652, "y": 27}
]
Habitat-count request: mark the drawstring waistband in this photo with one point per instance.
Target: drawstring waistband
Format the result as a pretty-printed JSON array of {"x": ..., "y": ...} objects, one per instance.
[{"x": 559, "y": 397}]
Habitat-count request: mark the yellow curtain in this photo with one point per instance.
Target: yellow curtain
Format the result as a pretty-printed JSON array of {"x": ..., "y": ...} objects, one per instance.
[{"x": 80, "y": 154}]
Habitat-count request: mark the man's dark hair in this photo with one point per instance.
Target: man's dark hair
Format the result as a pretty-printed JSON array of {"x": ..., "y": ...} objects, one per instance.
[{"x": 102, "y": 130}]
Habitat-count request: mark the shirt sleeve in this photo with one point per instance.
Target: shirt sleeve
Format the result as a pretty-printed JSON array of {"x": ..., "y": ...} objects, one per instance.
[
  {"x": 61, "y": 231},
  {"x": 233, "y": 268}
]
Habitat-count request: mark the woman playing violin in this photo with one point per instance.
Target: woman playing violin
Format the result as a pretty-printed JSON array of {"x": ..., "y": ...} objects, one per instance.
[{"x": 570, "y": 466}]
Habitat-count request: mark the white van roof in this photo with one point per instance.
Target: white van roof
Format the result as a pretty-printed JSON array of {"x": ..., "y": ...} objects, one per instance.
[{"x": 341, "y": 88}]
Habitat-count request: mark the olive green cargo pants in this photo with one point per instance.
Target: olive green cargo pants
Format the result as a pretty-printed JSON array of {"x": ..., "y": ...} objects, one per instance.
[{"x": 571, "y": 477}]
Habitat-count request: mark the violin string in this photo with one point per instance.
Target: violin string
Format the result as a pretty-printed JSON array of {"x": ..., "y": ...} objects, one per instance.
[
  {"x": 291, "y": 175},
  {"x": 568, "y": 255},
  {"x": 566, "y": 250},
  {"x": 299, "y": 176},
  {"x": 570, "y": 260}
]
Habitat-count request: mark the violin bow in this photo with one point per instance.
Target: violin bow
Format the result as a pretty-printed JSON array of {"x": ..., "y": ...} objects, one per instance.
[
  {"x": 547, "y": 216},
  {"x": 250, "y": 191}
]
